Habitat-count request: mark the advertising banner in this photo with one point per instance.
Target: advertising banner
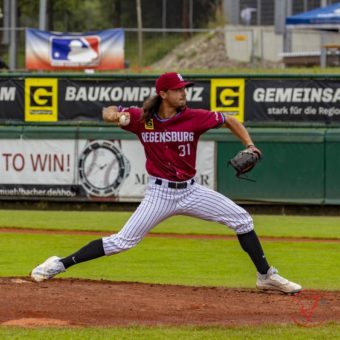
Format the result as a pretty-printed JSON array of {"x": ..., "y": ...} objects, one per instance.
[
  {"x": 227, "y": 95},
  {"x": 84, "y": 100},
  {"x": 41, "y": 100},
  {"x": 101, "y": 50},
  {"x": 84, "y": 170},
  {"x": 12, "y": 99},
  {"x": 53, "y": 100},
  {"x": 292, "y": 100}
]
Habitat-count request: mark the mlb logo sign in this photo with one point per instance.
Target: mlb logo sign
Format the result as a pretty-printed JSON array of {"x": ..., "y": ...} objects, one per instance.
[{"x": 75, "y": 51}]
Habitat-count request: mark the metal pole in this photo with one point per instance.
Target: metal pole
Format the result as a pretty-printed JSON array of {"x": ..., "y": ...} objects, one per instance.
[
  {"x": 236, "y": 6},
  {"x": 323, "y": 3},
  {"x": 12, "y": 54},
  {"x": 164, "y": 17},
  {"x": 323, "y": 50},
  {"x": 252, "y": 53},
  {"x": 6, "y": 22},
  {"x": 140, "y": 33},
  {"x": 259, "y": 12},
  {"x": 305, "y": 5},
  {"x": 289, "y": 7},
  {"x": 191, "y": 14},
  {"x": 42, "y": 15},
  {"x": 287, "y": 35}
]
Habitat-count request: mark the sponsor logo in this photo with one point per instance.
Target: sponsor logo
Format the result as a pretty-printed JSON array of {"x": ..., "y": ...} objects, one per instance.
[
  {"x": 227, "y": 95},
  {"x": 41, "y": 100},
  {"x": 296, "y": 95},
  {"x": 102, "y": 168},
  {"x": 108, "y": 93},
  {"x": 122, "y": 94},
  {"x": 149, "y": 125},
  {"x": 75, "y": 51}
]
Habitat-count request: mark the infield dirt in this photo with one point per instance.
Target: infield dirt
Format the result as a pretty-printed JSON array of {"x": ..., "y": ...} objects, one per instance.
[{"x": 80, "y": 303}]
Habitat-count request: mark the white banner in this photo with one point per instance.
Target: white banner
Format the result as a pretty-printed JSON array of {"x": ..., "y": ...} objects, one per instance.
[
  {"x": 96, "y": 169},
  {"x": 37, "y": 161}
]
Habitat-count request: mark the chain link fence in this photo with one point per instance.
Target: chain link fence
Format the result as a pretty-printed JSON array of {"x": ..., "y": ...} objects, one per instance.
[{"x": 242, "y": 44}]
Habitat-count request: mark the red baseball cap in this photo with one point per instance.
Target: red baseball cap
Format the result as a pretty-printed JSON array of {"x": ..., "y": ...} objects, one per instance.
[{"x": 171, "y": 81}]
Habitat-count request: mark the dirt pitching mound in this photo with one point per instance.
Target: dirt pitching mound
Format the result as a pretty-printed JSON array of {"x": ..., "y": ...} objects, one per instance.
[{"x": 71, "y": 302}]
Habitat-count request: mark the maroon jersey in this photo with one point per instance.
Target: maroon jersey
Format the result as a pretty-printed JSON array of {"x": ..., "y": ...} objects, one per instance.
[{"x": 171, "y": 144}]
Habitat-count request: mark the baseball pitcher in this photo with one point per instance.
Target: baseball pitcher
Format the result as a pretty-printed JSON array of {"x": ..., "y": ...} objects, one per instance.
[{"x": 169, "y": 132}]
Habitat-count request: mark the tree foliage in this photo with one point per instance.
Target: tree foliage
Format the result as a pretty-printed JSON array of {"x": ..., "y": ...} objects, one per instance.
[{"x": 89, "y": 15}]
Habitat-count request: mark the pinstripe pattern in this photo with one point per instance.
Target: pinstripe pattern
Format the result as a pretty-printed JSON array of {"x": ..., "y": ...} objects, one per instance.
[{"x": 161, "y": 202}]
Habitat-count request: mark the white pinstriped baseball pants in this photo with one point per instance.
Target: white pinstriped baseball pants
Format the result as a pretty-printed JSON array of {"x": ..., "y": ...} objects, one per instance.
[{"x": 161, "y": 202}]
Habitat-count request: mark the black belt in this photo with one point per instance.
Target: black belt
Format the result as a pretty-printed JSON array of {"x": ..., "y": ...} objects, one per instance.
[{"x": 175, "y": 185}]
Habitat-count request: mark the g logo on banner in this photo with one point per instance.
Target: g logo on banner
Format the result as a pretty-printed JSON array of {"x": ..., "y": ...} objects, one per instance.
[
  {"x": 41, "y": 100},
  {"x": 227, "y": 95}
]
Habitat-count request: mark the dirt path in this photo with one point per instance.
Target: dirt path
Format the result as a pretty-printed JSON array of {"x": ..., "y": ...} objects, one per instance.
[
  {"x": 70, "y": 302},
  {"x": 168, "y": 235}
]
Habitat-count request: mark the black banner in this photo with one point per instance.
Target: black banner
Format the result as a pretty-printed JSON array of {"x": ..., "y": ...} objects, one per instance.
[
  {"x": 292, "y": 100},
  {"x": 84, "y": 100},
  {"x": 53, "y": 100},
  {"x": 12, "y": 99}
]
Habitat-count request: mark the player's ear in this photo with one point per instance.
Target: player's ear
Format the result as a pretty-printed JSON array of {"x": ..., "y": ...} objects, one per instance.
[{"x": 162, "y": 94}]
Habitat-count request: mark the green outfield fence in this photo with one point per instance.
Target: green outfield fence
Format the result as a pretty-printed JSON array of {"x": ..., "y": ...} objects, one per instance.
[{"x": 300, "y": 165}]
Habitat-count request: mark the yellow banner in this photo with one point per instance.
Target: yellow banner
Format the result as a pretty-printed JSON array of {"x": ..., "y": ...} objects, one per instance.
[
  {"x": 227, "y": 95},
  {"x": 41, "y": 100}
]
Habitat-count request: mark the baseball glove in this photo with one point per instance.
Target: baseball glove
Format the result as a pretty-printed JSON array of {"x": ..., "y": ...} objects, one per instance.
[{"x": 245, "y": 160}]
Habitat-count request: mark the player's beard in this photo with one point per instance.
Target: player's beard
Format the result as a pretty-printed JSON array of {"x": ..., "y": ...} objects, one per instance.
[{"x": 182, "y": 105}]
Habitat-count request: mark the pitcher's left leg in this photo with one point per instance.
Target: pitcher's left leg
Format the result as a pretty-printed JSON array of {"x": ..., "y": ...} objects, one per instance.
[
  {"x": 210, "y": 205},
  {"x": 213, "y": 206}
]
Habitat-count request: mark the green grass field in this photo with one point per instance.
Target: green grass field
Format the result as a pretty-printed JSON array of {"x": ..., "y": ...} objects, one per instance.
[
  {"x": 178, "y": 261},
  {"x": 266, "y": 225},
  {"x": 329, "y": 332},
  {"x": 171, "y": 260}
]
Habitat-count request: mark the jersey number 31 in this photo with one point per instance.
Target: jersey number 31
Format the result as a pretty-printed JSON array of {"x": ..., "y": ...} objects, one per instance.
[{"x": 184, "y": 150}]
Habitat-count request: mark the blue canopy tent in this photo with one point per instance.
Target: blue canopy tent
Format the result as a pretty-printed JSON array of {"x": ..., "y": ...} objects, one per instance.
[{"x": 321, "y": 18}]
